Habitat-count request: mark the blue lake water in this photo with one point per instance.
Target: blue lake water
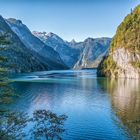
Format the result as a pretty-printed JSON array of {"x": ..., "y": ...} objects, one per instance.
[{"x": 97, "y": 108}]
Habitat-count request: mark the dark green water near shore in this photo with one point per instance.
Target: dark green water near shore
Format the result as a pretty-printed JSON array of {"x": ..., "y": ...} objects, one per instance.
[{"x": 97, "y": 108}]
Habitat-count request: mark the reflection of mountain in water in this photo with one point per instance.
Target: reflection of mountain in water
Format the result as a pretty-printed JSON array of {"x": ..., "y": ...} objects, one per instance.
[{"x": 125, "y": 101}]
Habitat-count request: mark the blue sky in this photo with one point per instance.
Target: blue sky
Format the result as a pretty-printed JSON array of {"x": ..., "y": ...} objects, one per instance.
[{"x": 70, "y": 19}]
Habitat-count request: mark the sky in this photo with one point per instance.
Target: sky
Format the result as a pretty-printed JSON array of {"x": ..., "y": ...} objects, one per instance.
[{"x": 70, "y": 19}]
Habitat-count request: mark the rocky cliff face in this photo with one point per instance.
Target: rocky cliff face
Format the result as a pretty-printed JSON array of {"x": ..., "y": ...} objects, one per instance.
[
  {"x": 124, "y": 57},
  {"x": 32, "y": 43},
  {"x": 77, "y": 55},
  {"x": 92, "y": 52}
]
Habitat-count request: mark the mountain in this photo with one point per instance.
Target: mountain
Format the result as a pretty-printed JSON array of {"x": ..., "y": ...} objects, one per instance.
[
  {"x": 19, "y": 57},
  {"x": 32, "y": 43},
  {"x": 92, "y": 52},
  {"x": 68, "y": 54},
  {"x": 123, "y": 59},
  {"x": 52, "y": 51},
  {"x": 77, "y": 55}
]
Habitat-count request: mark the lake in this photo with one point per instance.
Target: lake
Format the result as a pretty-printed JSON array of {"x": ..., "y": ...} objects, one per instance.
[{"x": 97, "y": 108}]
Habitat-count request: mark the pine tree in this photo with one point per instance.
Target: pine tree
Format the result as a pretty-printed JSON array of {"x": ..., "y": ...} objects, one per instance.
[{"x": 5, "y": 89}]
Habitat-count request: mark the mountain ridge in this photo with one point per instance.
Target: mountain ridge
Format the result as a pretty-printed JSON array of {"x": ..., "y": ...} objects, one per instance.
[
  {"x": 51, "y": 57},
  {"x": 71, "y": 52}
]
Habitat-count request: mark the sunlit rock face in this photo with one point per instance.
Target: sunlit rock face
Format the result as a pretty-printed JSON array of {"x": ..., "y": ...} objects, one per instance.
[{"x": 123, "y": 59}]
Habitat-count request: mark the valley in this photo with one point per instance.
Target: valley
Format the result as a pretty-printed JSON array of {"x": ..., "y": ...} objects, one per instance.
[{"x": 53, "y": 87}]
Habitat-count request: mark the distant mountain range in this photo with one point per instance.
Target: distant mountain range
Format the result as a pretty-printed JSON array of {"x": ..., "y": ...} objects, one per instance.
[
  {"x": 92, "y": 52},
  {"x": 77, "y": 55},
  {"x": 68, "y": 54},
  {"x": 39, "y": 51}
]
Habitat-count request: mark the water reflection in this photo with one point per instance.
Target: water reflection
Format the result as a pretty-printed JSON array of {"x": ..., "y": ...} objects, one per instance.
[{"x": 125, "y": 101}]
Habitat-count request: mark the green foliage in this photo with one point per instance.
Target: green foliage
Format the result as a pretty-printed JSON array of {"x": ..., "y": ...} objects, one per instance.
[
  {"x": 5, "y": 88},
  {"x": 128, "y": 32},
  {"x": 48, "y": 125},
  {"x": 136, "y": 64},
  {"x": 107, "y": 67},
  {"x": 127, "y": 37},
  {"x": 3, "y": 40},
  {"x": 8, "y": 123},
  {"x": 12, "y": 125}
]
